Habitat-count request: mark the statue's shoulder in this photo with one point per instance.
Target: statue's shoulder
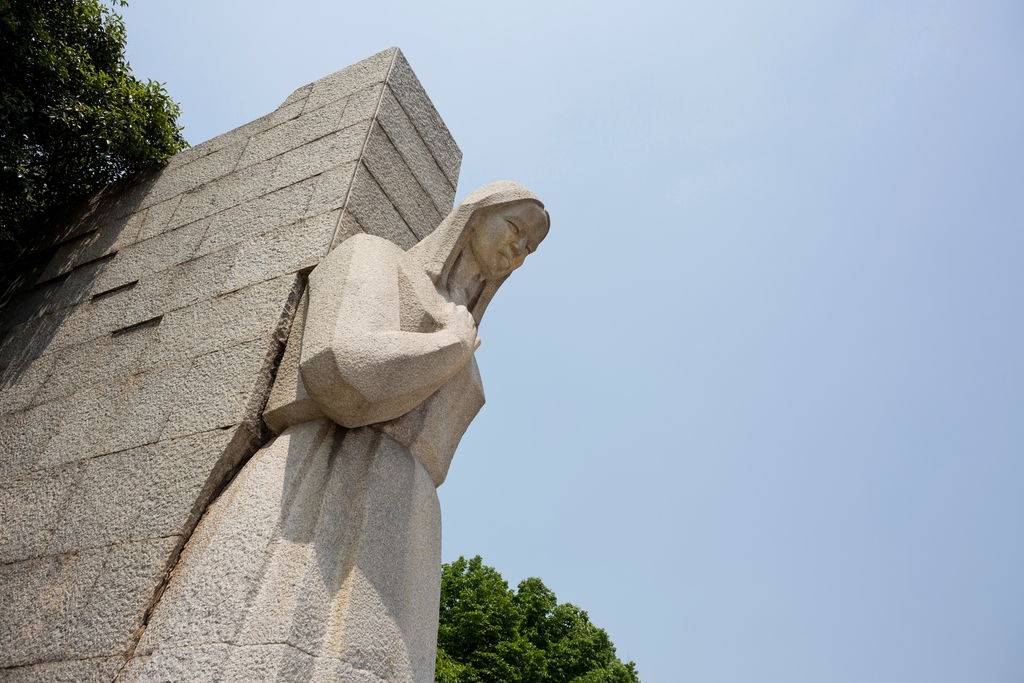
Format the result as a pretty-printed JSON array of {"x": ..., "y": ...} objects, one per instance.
[
  {"x": 370, "y": 244},
  {"x": 357, "y": 254}
]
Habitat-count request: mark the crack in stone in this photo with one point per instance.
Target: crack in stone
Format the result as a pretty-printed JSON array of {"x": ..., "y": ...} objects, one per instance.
[{"x": 259, "y": 436}]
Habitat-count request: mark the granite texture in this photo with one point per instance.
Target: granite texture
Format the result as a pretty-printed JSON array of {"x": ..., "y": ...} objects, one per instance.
[{"x": 139, "y": 339}]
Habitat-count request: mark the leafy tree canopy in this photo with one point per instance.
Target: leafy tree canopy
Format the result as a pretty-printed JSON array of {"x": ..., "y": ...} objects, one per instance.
[
  {"x": 490, "y": 634},
  {"x": 73, "y": 118}
]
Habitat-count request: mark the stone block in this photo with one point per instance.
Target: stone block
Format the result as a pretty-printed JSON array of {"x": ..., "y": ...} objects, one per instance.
[
  {"x": 320, "y": 155},
  {"x": 374, "y": 211},
  {"x": 122, "y": 198},
  {"x": 74, "y": 287},
  {"x": 298, "y": 95},
  {"x": 98, "y": 316},
  {"x": 222, "y": 194},
  {"x": 193, "y": 664},
  {"x": 114, "y": 416},
  {"x": 23, "y": 275},
  {"x": 145, "y": 405},
  {"x": 393, "y": 119},
  {"x": 257, "y": 216},
  {"x": 20, "y": 382},
  {"x": 77, "y": 286},
  {"x": 289, "y": 402},
  {"x": 424, "y": 116},
  {"x": 157, "y": 217},
  {"x": 66, "y": 258},
  {"x": 312, "y": 126},
  {"x": 112, "y": 206},
  {"x": 96, "y": 361},
  {"x": 283, "y": 250},
  {"x": 29, "y": 304},
  {"x": 31, "y": 339},
  {"x": 31, "y": 508},
  {"x": 399, "y": 184},
  {"x": 176, "y": 288},
  {"x": 182, "y": 178},
  {"x": 285, "y": 112},
  {"x": 151, "y": 256},
  {"x": 24, "y": 435},
  {"x": 332, "y": 189},
  {"x": 120, "y": 597},
  {"x": 87, "y": 418},
  {"x": 147, "y": 492},
  {"x": 41, "y": 600},
  {"x": 96, "y": 670},
  {"x": 348, "y": 226},
  {"x": 258, "y": 311},
  {"x": 108, "y": 238},
  {"x": 350, "y": 79},
  {"x": 81, "y": 606},
  {"x": 229, "y": 663},
  {"x": 223, "y": 389}
]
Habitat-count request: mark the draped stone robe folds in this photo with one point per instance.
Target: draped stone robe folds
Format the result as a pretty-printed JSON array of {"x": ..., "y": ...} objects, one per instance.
[{"x": 321, "y": 561}]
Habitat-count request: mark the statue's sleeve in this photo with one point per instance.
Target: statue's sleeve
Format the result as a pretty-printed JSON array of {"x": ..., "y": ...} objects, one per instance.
[{"x": 356, "y": 362}]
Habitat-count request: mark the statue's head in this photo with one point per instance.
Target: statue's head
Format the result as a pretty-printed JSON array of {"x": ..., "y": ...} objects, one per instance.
[
  {"x": 498, "y": 225},
  {"x": 503, "y": 235}
]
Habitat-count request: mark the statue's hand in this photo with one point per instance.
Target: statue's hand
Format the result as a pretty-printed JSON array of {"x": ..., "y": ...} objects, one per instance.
[{"x": 458, "y": 320}]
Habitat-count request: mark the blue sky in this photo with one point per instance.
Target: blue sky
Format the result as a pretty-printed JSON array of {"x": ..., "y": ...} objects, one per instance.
[{"x": 757, "y": 403}]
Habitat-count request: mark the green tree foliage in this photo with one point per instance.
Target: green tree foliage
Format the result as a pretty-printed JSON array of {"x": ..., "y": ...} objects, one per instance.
[
  {"x": 490, "y": 634},
  {"x": 73, "y": 118}
]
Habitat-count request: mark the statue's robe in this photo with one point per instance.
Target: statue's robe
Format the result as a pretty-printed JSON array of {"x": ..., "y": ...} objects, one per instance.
[{"x": 321, "y": 560}]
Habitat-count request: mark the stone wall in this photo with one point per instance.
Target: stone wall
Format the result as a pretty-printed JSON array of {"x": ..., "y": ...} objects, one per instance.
[{"x": 141, "y": 335}]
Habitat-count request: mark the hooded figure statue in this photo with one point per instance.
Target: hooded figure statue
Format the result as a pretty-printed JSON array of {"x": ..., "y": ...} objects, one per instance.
[{"x": 321, "y": 561}]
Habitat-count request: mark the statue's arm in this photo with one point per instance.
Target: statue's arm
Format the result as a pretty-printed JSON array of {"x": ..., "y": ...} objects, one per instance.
[{"x": 357, "y": 364}]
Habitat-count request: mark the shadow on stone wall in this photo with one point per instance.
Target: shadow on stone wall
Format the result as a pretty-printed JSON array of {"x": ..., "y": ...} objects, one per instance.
[{"x": 64, "y": 258}]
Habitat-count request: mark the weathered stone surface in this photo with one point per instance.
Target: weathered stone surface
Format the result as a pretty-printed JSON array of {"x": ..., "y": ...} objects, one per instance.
[
  {"x": 31, "y": 509},
  {"x": 156, "y": 218},
  {"x": 283, "y": 113},
  {"x": 167, "y": 479},
  {"x": 424, "y": 116},
  {"x": 258, "y": 311},
  {"x": 403, "y": 134},
  {"x": 257, "y": 216},
  {"x": 289, "y": 402},
  {"x": 337, "y": 115},
  {"x": 351, "y": 79},
  {"x": 220, "y": 388},
  {"x": 42, "y": 600},
  {"x": 373, "y": 210},
  {"x": 320, "y": 155},
  {"x": 68, "y": 290},
  {"x": 96, "y": 670},
  {"x": 78, "y": 606},
  {"x": 137, "y": 348},
  {"x": 116, "y": 416},
  {"x": 97, "y": 361},
  {"x": 20, "y": 382},
  {"x": 31, "y": 339},
  {"x": 182, "y": 178},
  {"x": 287, "y": 249},
  {"x": 151, "y": 256},
  {"x": 399, "y": 184},
  {"x": 25, "y": 433},
  {"x": 119, "y": 597},
  {"x": 332, "y": 189}
]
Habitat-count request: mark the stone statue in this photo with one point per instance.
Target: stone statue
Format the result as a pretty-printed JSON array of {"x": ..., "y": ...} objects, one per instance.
[{"x": 321, "y": 561}]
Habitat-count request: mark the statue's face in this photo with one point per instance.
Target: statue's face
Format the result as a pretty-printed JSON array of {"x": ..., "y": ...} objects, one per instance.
[{"x": 504, "y": 235}]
